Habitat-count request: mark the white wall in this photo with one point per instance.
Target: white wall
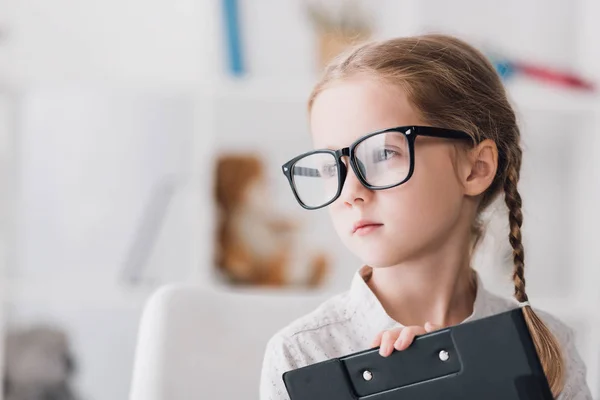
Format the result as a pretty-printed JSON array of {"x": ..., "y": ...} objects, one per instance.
[
  {"x": 534, "y": 30},
  {"x": 130, "y": 41},
  {"x": 588, "y": 51},
  {"x": 109, "y": 96},
  {"x": 90, "y": 162}
]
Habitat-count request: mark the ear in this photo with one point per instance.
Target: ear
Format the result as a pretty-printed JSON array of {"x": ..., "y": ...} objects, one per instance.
[{"x": 480, "y": 167}]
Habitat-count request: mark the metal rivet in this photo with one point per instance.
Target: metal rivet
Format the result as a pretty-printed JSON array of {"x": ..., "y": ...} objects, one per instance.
[
  {"x": 285, "y": 169},
  {"x": 444, "y": 356},
  {"x": 367, "y": 375}
]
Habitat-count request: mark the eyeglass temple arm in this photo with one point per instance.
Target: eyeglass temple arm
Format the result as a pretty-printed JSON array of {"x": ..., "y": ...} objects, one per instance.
[
  {"x": 304, "y": 171},
  {"x": 442, "y": 133}
]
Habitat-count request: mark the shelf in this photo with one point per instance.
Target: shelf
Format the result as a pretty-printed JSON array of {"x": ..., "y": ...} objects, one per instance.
[
  {"x": 525, "y": 95},
  {"x": 532, "y": 96},
  {"x": 294, "y": 90},
  {"x": 82, "y": 292},
  {"x": 75, "y": 293}
]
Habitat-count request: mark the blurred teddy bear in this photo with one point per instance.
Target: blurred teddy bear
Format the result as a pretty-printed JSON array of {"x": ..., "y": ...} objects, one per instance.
[
  {"x": 254, "y": 245},
  {"x": 39, "y": 365}
]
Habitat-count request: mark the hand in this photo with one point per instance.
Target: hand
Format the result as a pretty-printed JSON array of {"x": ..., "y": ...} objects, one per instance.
[{"x": 400, "y": 338}]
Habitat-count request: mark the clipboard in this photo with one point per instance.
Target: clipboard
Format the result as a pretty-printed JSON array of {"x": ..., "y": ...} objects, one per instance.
[{"x": 492, "y": 358}]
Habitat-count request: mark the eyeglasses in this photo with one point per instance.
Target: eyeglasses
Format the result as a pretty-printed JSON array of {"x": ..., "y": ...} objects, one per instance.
[{"x": 381, "y": 160}]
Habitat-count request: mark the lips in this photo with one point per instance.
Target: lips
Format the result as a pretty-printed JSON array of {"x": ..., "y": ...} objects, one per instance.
[{"x": 365, "y": 226}]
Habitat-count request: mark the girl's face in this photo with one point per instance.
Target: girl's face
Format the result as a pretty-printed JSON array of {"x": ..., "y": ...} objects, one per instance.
[{"x": 404, "y": 222}]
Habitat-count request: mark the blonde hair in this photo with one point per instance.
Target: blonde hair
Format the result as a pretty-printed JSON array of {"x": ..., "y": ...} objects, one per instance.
[{"x": 453, "y": 85}]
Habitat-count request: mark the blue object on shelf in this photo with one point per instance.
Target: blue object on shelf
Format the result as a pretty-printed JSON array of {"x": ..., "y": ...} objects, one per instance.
[
  {"x": 505, "y": 68},
  {"x": 232, "y": 35}
]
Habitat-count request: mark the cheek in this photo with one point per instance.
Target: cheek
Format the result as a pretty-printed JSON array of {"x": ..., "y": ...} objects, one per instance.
[
  {"x": 339, "y": 218},
  {"x": 431, "y": 197}
]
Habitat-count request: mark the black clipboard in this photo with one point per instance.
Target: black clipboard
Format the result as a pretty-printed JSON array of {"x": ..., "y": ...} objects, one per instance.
[{"x": 492, "y": 358}]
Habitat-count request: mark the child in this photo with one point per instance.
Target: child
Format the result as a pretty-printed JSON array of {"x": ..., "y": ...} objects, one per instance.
[{"x": 419, "y": 139}]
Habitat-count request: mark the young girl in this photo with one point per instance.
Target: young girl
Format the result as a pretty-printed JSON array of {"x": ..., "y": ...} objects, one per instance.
[{"x": 417, "y": 139}]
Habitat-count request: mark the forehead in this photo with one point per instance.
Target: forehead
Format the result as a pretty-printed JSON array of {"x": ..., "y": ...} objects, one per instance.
[{"x": 350, "y": 109}]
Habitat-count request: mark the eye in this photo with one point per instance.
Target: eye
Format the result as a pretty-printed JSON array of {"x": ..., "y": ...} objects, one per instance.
[{"x": 384, "y": 154}]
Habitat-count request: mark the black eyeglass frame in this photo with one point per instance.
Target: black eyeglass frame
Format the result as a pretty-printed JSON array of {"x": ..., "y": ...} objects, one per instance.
[{"x": 410, "y": 133}]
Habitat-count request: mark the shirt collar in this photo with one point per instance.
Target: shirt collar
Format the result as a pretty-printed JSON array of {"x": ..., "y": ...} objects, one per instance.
[{"x": 365, "y": 303}]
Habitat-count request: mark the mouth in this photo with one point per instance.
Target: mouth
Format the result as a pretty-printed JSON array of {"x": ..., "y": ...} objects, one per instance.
[{"x": 364, "y": 227}]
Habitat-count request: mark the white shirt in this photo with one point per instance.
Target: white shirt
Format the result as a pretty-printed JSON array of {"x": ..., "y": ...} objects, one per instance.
[{"x": 349, "y": 322}]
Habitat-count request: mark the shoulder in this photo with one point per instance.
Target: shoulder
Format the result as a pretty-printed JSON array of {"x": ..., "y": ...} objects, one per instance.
[
  {"x": 292, "y": 340},
  {"x": 292, "y": 346},
  {"x": 496, "y": 304}
]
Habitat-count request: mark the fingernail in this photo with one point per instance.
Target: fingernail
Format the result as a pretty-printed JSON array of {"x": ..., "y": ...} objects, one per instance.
[{"x": 382, "y": 351}]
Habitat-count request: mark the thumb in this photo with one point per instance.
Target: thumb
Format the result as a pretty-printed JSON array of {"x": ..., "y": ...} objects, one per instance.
[{"x": 429, "y": 327}]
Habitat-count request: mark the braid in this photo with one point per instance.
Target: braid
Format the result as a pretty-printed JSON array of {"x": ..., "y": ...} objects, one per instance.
[
  {"x": 515, "y": 219},
  {"x": 547, "y": 346}
]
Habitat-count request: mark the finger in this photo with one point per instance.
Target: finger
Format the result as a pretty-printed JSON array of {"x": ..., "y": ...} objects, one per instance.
[
  {"x": 429, "y": 327},
  {"x": 377, "y": 341},
  {"x": 387, "y": 341},
  {"x": 407, "y": 336}
]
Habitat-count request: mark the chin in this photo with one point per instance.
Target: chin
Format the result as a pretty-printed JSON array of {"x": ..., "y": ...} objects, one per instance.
[{"x": 382, "y": 253}]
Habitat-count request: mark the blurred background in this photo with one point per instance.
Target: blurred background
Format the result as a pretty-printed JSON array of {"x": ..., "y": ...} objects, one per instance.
[{"x": 138, "y": 139}]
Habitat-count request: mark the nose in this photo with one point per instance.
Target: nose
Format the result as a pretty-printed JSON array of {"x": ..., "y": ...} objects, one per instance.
[{"x": 353, "y": 192}]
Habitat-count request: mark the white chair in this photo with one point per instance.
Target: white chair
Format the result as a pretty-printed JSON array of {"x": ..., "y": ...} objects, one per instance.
[{"x": 197, "y": 343}]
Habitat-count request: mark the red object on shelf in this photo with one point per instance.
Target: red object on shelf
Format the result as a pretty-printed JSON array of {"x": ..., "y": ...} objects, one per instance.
[{"x": 563, "y": 78}]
